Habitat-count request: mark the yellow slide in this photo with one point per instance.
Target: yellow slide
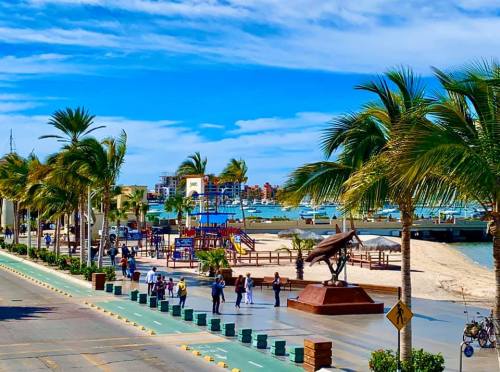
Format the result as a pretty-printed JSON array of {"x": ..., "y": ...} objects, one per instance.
[{"x": 237, "y": 244}]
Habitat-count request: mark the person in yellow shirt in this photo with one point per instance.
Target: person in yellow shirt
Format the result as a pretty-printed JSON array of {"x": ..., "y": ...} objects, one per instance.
[{"x": 182, "y": 291}]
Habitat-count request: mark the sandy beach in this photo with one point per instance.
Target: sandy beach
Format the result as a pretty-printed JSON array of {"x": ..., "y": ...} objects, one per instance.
[{"x": 439, "y": 272}]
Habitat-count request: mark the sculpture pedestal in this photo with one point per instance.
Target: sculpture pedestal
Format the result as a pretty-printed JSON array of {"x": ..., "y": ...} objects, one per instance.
[{"x": 333, "y": 300}]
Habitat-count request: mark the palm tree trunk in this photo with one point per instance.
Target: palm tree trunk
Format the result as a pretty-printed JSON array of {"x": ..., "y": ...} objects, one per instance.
[
  {"x": 38, "y": 231},
  {"x": 243, "y": 214},
  {"x": 494, "y": 231},
  {"x": 15, "y": 226},
  {"x": 179, "y": 220},
  {"x": 117, "y": 241},
  {"x": 82, "y": 229},
  {"x": 1, "y": 210},
  {"x": 105, "y": 227},
  {"x": 57, "y": 238},
  {"x": 406, "y": 334},
  {"x": 68, "y": 233}
]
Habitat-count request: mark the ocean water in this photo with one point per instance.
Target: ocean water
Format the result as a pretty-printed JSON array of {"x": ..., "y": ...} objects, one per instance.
[
  {"x": 480, "y": 253},
  {"x": 270, "y": 211}
]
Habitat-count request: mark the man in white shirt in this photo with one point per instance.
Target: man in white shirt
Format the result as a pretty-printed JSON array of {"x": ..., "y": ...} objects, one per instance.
[{"x": 151, "y": 279}]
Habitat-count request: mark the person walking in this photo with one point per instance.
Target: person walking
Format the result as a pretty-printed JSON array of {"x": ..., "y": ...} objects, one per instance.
[
  {"x": 239, "y": 288},
  {"x": 249, "y": 289},
  {"x": 170, "y": 287},
  {"x": 131, "y": 267},
  {"x": 216, "y": 293},
  {"x": 112, "y": 254},
  {"x": 123, "y": 264},
  {"x": 277, "y": 289},
  {"x": 48, "y": 240},
  {"x": 160, "y": 288},
  {"x": 151, "y": 279},
  {"x": 125, "y": 251},
  {"x": 182, "y": 289},
  {"x": 222, "y": 282}
]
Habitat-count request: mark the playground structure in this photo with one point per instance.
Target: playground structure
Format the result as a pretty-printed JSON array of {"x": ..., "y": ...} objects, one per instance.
[{"x": 212, "y": 230}]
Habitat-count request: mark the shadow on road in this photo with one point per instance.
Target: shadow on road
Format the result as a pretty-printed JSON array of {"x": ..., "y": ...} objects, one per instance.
[{"x": 22, "y": 312}]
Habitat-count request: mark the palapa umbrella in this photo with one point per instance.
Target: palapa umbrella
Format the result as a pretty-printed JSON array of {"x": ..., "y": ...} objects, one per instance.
[
  {"x": 381, "y": 244},
  {"x": 290, "y": 232}
]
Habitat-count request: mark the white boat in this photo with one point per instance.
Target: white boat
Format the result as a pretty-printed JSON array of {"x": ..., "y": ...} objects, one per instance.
[
  {"x": 253, "y": 210},
  {"x": 286, "y": 209}
]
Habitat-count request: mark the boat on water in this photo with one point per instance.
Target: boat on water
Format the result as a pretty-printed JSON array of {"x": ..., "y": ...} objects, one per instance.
[{"x": 253, "y": 210}]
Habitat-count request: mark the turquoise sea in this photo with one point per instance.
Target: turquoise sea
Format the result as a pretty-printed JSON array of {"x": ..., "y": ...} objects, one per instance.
[{"x": 480, "y": 253}]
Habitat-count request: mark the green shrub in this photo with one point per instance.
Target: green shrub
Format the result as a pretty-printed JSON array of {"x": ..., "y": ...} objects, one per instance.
[
  {"x": 88, "y": 271},
  {"x": 75, "y": 267},
  {"x": 42, "y": 254},
  {"x": 63, "y": 262},
  {"x": 9, "y": 246},
  {"x": 110, "y": 273},
  {"x": 421, "y": 361},
  {"x": 20, "y": 249},
  {"x": 32, "y": 253},
  {"x": 51, "y": 258},
  {"x": 2, "y": 243}
]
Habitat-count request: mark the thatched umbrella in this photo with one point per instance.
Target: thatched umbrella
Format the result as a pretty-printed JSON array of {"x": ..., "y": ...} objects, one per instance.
[
  {"x": 381, "y": 244},
  {"x": 290, "y": 233}
]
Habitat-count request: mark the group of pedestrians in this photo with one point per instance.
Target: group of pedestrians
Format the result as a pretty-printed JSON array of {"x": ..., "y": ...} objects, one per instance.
[
  {"x": 127, "y": 261},
  {"x": 158, "y": 285}
]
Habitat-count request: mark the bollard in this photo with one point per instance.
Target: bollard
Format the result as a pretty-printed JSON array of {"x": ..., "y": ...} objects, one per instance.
[
  {"x": 317, "y": 353},
  {"x": 133, "y": 295},
  {"x": 260, "y": 341},
  {"x": 228, "y": 329},
  {"x": 109, "y": 287},
  {"x": 152, "y": 301},
  {"x": 200, "y": 319},
  {"x": 245, "y": 335},
  {"x": 214, "y": 324},
  {"x": 278, "y": 347},
  {"x": 187, "y": 314},
  {"x": 175, "y": 310},
  {"x": 117, "y": 290},
  {"x": 142, "y": 298},
  {"x": 296, "y": 354},
  {"x": 164, "y": 306}
]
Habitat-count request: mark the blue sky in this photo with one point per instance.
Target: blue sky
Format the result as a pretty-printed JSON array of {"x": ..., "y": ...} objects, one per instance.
[{"x": 229, "y": 78}]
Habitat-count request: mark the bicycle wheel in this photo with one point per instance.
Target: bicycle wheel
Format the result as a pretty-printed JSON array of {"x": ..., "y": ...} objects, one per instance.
[{"x": 482, "y": 338}]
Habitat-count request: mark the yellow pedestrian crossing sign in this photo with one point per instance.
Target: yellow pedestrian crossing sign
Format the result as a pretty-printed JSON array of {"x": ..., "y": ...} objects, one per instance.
[{"x": 399, "y": 315}]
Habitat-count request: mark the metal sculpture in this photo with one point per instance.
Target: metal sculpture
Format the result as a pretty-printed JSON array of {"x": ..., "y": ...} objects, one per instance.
[{"x": 334, "y": 246}]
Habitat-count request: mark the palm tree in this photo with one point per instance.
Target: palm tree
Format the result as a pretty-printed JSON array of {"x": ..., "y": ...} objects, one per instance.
[
  {"x": 193, "y": 165},
  {"x": 117, "y": 215},
  {"x": 135, "y": 202},
  {"x": 461, "y": 148},
  {"x": 212, "y": 260},
  {"x": 74, "y": 125},
  {"x": 236, "y": 171},
  {"x": 180, "y": 205},
  {"x": 299, "y": 245},
  {"x": 365, "y": 174},
  {"x": 101, "y": 163}
]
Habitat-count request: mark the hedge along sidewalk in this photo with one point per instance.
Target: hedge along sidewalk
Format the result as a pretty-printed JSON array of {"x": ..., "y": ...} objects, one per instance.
[{"x": 42, "y": 273}]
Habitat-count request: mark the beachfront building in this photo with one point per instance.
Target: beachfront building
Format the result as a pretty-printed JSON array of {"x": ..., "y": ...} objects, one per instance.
[
  {"x": 269, "y": 191},
  {"x": 169, "y": 185}
]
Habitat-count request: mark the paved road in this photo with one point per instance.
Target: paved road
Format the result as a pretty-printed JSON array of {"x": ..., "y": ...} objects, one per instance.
[{"x": 43, "y": 330}]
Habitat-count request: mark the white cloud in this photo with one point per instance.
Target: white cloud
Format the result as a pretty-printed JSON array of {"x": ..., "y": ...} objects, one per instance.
[
  {"x": 158, "y": 146},
  {"x": 301, "y": 120},
  {"x": 211, "y": 126},
  {"x": 35, "y": 64}
]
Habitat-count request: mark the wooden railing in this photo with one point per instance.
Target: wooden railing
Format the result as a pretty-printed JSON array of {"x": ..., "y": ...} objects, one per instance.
[{"x": 260, "y": 257}]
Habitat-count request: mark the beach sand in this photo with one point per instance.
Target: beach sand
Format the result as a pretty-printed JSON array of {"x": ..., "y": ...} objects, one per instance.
[{"x": 438, "y": 271}]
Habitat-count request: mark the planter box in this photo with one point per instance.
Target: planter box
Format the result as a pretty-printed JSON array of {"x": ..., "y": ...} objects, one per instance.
[{"x": 98, "y": 281}]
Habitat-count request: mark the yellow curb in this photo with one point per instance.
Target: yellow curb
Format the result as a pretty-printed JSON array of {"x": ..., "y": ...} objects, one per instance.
[
  {"x": 118, "y": 316},
  {"x": 126, "y": 320},
  {"x": 222, "y": 364},
  {"x": 184, "y": 347},
  {"x": 104, "y": 310},
  {"x": 151, "y": 332},
  {"x": 196, "y": 353},
  {"x": 235, "y": 370},
  {"x": 112, "y": 314},
  {"x": 142, "y": 328},
  {"x": 135, "y": 324},
  {"x": 208, "y": 358}
]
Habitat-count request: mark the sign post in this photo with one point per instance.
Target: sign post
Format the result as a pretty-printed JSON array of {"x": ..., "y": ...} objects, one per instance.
[{"x": 399, "y": 316}]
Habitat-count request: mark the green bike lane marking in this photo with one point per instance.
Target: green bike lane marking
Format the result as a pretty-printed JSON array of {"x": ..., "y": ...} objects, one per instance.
[
  {"x": 243, "y": 357},
  {"x": 49, "y": 278},
  {"x": 160, "y": 322}
]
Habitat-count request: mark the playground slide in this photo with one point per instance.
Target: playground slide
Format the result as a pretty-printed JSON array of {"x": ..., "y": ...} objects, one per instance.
[{"x": 237, "y": 246}]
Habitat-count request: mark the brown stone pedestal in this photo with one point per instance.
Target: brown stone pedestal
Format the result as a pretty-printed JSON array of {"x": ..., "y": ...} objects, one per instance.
[
  {"x": 333, "y": 300},
  {"x": 98, "y": 280}
]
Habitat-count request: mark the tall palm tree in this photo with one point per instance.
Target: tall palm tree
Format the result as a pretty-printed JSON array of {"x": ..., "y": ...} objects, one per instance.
[
  {"x": 101, "y": 162},
  {"x": 180, "y": 205},
  {"x": 364, "y": 174},
  {"x": 193, "y": 165},
  {"x": 236, "y": 171},
  {"x": 461, "y": 147},
  {"x": 74, "y": 125}
]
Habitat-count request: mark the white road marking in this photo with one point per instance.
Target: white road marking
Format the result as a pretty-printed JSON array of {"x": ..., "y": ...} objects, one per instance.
[
  {"x": 224, "y": 351},
  {"x": 220, "y": 356},
  {"x": 255, "y": 364},
  {"x": 178, "y": 332},
  {"x": 137, "y": 314},
  {"x": 154, "y": 321},
  {"x": 121, "y": 307},
  {"x": 66, "y": 286}
]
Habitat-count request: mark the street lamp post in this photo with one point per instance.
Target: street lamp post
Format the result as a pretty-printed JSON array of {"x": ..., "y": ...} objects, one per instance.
[{"x": 90, "y": 195}]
